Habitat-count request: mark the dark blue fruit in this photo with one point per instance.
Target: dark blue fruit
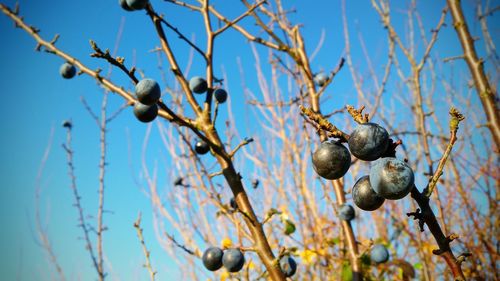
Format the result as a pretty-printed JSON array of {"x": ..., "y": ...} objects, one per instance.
[
  {"x": 67, "y": 70},
  {"x": 198, "y": 85},
  {"x": 212, "y": 258},
  {"x": 137, "y": 4},
  {"x": 125, "y": 6},
  {"x": 201, "y": 147},
  {"x": 67, "y": 124},
  {"x": 233, "y": 260},
  {"x": 148, "y": 91},
  {"x": 145, "y": 113},
  {"x": 379, "y": 254},
  {"x": 364, "y": 196},
  {"x": 331, "y": 160},
  {"x": 220, "y": 95},
  {"x": 346, "y": 212},
  {"x": 320, "y": 79},
  {"x": 288, "y": 266},
  {"x": 391, "y": 178},
  {"x": 368, "y": 141}
]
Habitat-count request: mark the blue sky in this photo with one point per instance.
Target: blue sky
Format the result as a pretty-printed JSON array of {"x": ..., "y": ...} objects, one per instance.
[{"x": 35, "y": 99}]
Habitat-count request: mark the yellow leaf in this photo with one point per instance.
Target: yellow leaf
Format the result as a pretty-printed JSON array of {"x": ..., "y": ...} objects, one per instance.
[
  {"x": 224, "y": 276},
  {"x": 308, "y": 256},
  {"x": 284, "y": 212},
  {"x": 321, "y": 252},
  {"x": 251, "y": 265},
  {"x": 226, "y": 243}
]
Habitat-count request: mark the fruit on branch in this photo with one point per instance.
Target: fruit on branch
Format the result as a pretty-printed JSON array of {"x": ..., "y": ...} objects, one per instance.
[
  {"x": 391, "y": 178},
  {"x": 320, "y": 79},
  {"x": 346, "y": 212},
  {"x": 147, "y": 91},
  {"x": 379, "y": 254},
  {"x": 201, "y": 147},
  {"x": 198, "y": 85},
  {"x": 364, "y": 196},
  {"x": 368, "y": 141},
  {"x": 145, "y": 113},
  {"x": 331, "y": 160},
  {"x": 137, "y": 4},
  {"x": 233, "y": 260},
  {"x": 288, "y": 266},
  {"x": 67, "y": 70},
  {"x": 67, "y": 124},
  {"x": 220, "y": 95},
  {"x": 125, "y": 6},
  {"x": 212, "y": 258}
]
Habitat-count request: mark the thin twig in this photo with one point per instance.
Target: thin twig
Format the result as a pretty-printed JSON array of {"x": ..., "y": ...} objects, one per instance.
[
  {"x": 456, "y": 118},
  {"x": 323, "y": 124},
  {"x": 179, "y": 245},
  {"x": 147, "y": 254},
  {"x": 102, "y": 171},
  {"x": 182, "y": 37},
  {"x": 240, "y": 145},
  {"x": 42, "y": 233},
  {"x": 78, "y": 205},
  {"x": 242, "y": 16},
  {"x": 118, "y": 61}
]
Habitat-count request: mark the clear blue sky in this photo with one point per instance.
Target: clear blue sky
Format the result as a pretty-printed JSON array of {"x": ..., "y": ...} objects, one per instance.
[{"x": 35, "y": 99}]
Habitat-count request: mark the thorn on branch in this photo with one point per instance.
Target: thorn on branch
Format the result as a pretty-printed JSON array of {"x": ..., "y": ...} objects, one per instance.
[
  {"x": 461, "y": 258},
  {"x": 97, "y": 74},
  {"x": 438, "y": 252},
  {"x": 54, "y": 40},
  {"x": 451, "y": 237},
  {"x": 34, "y": 29},
  {"x": 418, "y": 215}
]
